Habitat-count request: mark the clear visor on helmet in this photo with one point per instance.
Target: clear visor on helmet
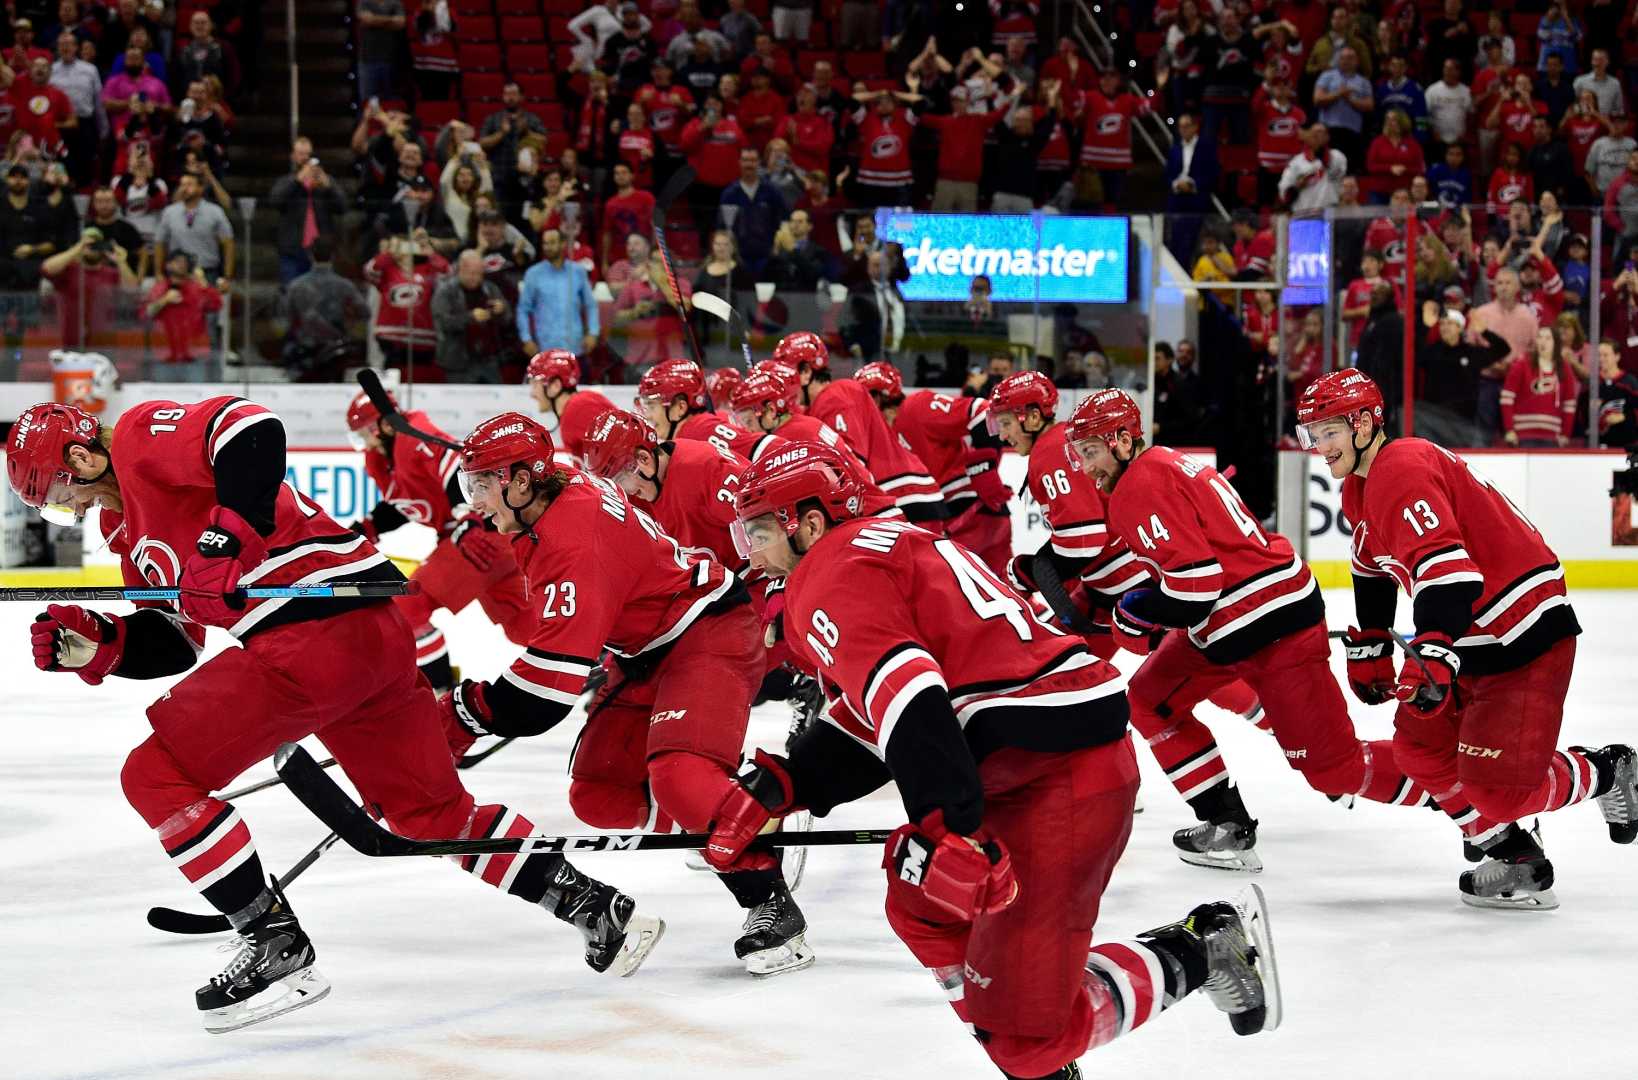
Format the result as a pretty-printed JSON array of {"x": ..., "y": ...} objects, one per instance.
[
  {"x": 757, "y": 534},
  {"x": 355, "y": 439},
  {"x": 1309, "y": 435},
  {"x": 62, "y": 504},
  {"x": 992, "y": 422},
  {"x": 481, "y": 483},
  {"x": 647, "y": 403}
]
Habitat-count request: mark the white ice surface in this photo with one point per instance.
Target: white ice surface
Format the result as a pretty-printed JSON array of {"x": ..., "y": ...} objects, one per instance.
[{"x": 435, "y": 975}]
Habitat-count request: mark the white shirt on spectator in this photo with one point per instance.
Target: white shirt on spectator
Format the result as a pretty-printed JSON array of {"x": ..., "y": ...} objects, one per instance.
[
  {"x": 1607, "y": 159},
  {"x": 594, "y": 26},
  {"x": 82, "y": 86},
  {"x": 1448, "y": 110},
  {"x": 1611, "y": 102},
  {"x": 1317, "y": 183}
]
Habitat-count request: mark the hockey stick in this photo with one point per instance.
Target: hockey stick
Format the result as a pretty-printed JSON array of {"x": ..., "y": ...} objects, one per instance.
[
  {"x": 370, "y": 382},
  {"x": 1052, "y": 590},
  {"x": 674, "y": 187},
  {"x": 331, "y": 805},
  {"x": 334, "y": 590},
  {"x": 173, "y": 921},
  {"x": 716, "y": 306}
]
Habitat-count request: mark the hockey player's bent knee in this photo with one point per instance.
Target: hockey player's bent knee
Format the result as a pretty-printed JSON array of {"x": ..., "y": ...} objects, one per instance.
[
  {"x": 1343, "y": 776},
  {"x": 688, "y": 788},
  {"x": 154, "y": 783},
  {"x": 417, "y": 609},
  {"x": 1502, "y": 803},
  {"x": 604, "y": 805}
]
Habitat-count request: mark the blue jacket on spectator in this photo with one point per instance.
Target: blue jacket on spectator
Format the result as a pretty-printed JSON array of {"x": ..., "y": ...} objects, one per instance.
[
  {"x": 1452, "y": 187},
  {"x": 755, "y": 220},
  {"x": 1407, "y": 96},
  {"x": 556, "y": 309}
]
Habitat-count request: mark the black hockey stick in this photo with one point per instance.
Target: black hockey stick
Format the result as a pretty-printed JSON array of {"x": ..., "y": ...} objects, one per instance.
[
  {"x": 1051, "y": 586},
  {"x": 370, "y": 382},
  {"x": 674, "y": 187},
  {"x": 716, "y": 306},
  {"x": 331, "y": 805},
  {"x": 333, "y": 590},
  {"x": 173, "y": 921}
]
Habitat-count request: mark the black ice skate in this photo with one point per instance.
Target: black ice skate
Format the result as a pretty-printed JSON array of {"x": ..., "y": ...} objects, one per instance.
[
  {"x": 1242, "y": 978},
  {"x": 773, "y": 942},
  {"x": 617, "y": 938},
  {"x": 271, "y": 974},
  {"x": 1516, "y": 874},
  {"x": 806, "y": 700},
  {"x": 1226, "y": 838},
  {"x": 1619, "y": 804}
]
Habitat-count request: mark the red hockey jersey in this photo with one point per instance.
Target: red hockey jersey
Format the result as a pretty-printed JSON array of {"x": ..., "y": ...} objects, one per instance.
[
  {"x": 1279, "y": 135},
  {"x": 1070, "y": 505},
  {"x": 1425, "y": 520},
  {"x": 884, "y": 147},
  {"x": 416, "y": 480},
  {"x": 1106, "y": 136},
  {"x": 696, "y": 502},
  {"x": 1239, "y": 587},
  {"x": 167, "y": 454},
  {"x": 405, "y": 315},
  {"x": 722, "y": 433},
  {"x": 847, "y": 406},
  {"x": 939, "y": 429},
  {"x": 804, "y": 428}
]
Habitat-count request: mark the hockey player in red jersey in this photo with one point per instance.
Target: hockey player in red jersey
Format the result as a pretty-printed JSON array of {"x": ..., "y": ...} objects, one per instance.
[
  {"x": 672, "y": 395},
  {"x": 469, "y": 562},
  {"x": 721, "y": 382},
  {"x": 1482, "y": 691},
  {"x": 194, "y": 497},
  {"x": 1252, "y": 611},
  {"x": 846, "y": 407},
  {"x": 951, "y": 435},
  {"x": 661, "y": 743},
  {"x": 1008, "y": 743},
  {"x": 554, "y": 383}
]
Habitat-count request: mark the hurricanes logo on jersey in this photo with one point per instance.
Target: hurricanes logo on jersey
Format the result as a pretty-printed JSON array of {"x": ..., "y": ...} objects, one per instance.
[
  {"x": 406, "y": 295},
  {"x": 156, "y": 562},
  {"x": 885, "y": 145}
]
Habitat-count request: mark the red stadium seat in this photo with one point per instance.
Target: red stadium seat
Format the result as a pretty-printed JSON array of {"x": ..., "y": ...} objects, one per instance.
[
  {"x": 522, "y": 59},
  {"x": 463, "y": 8},
  {"x": 479, "y": 29},
  {"x": 557, "y": 29},
  {"x": 480, "y": 86},
  {"x": 478, "y": 57},
  {"x": 435, "y": 114},
  {"x": 523, "y": 29},
  {"x": 503, "y": 8},
  {"x": 866, "y": 65},
  {"x": 1237, "y": 166},
  {"x": 566, "y": 8},
  {"x": 562, "y": 57},
  {"x": 551, "y": 114},
  {"x": 536, "y": 88}
]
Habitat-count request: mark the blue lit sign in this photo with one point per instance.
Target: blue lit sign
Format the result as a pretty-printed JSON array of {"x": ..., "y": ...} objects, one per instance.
[
  {"x": 1307, "y": 263},
  {"x": 1052, "y": 258}
]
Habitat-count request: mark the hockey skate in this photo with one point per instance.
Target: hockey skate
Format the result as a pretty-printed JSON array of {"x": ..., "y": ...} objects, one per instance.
[
  {"x": 1220, "y": 845},
  {"x": 1619, "y": 804},
  {"x": 1242, "y": 977},
  {"x": 774, "y": 940},
  {"x": 271, "y": 974},
  {"x": 795, "y": 859},
  {"x": 1515, "y": 875},
  {"x": 617, "y": 938}
]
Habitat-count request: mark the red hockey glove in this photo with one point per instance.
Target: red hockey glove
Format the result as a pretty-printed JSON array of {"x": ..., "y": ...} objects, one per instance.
[
  {"x": 1370, "y": 664},
  {"x": 1134, "y": 631},
  {"x": 88, "y": 643},
  {"x": 1429, "y": 687},
  {"x": 967, "y": 876},
  {"x": 210, "y": 580},
  {"x": 773, "y": 618},
  {"x": 365, "y": 527},
  {"x": 465, "y": 715},
  {"x": 992, "y": 493},
  {"x": 479, "y": 543},
  {"x": 1021, "y": 574},
  {"x": 759, "y": 794}
]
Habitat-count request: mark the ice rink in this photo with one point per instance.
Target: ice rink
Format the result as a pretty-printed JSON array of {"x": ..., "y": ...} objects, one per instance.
[{"x": 1386, "y": 973}]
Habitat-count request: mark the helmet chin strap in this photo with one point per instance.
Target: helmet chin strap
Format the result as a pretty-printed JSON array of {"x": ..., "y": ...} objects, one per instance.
[
  {"x": 1359, "y": 451},
  {"x": 517, "y": 513}
]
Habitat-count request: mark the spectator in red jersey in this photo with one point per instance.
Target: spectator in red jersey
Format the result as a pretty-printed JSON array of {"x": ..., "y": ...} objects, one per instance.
[
  {"x": 635, "y": 146},
  {"x": 1583, "y": 124},
  {"x": 1229, "y": 78},
  {"x": 1488, "y": 86},
  {"x": 1356, "y": 301},
  {"x": 884, "y": 149},
  {"x": 1387, "y": 235},
  {"x": 1513, "y": 114},
  {"x": 761, "y": 111},
  {"x": 1106, "y": 133},
  {"x": 1305, "y": 359},
  {"x": 767, "y": 56},
  {"x": 626, "y": 212},
  {"x": 811, "y": 135},
  {"x": 712, "y": 142},
  {"x": 1509, "y": 183},
  {"x": 1283, "y": 52},
  {"x": 653, "y": 329},
  {"x": 86, "y": 280},
  {"x": 24, "y": 51},
  {"x": 179, "y": 302},
  {"x": 1394, "y": 157},
  {"x": 39, "y": 109},
  {"x": 1261, "y": 320},
  {"x": 1279, "y": 123},
  {"x": 1253, "y": 247},
  {"x": 1538, "y": 397},
  {"x": 961, "y": 136},
  {"x": 1069, "y": 67},
  {"x": 405, "y": 273},
  {"x": 668, "y": 107},
  {"x": 595, "y": 116}
]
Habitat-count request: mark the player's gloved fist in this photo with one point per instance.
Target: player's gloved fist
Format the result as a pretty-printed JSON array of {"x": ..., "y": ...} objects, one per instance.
[
  {"x": 967, "y": 876},
  {"x": 365, "y": 527},
  {"x": 986, "y": 481},
  {"x": 1370, "y": 664},
  {"x": 1134, "y": 631},
  {"x": 773, "y": 618},
  {"x": 759, "y": 794},
  {"x": 1021, "y": 573},
  {"x": 227, "y": 548},
  {"x": 465, "y": 715},
  {"x": 479, "y": 543},
  {"x": 88, "y": 643},
  {"x": 1429, "y": 686}
]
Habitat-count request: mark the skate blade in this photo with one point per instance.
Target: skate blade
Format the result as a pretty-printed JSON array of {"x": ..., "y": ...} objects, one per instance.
[
  {"x": 794, "y": 955},
  {"x": 1137, "y": 803},
  {"x": 795, "y": 859},
  {"x": 299, "y": 990},
  {"x": 643, "y": 932},
  {"x": 1545, "y": 900},
  {"x": 1245, "y": 862},
  {"x": 1253, "y": 908}
]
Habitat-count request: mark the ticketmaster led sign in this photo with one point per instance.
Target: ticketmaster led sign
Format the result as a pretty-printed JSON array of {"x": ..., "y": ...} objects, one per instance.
[{"x": 1050, "y": 258}]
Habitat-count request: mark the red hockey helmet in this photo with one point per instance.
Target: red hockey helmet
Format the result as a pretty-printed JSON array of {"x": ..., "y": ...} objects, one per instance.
[
  {"x": 803, "y": 349},
  {"x": 559, "y": 364},
  {"x": 37, "y": 457},
  {"x": 1105, "y": 415},
  {"x": 721, "y": 383},
  {"x": 774, "y": 386},
  {"x": 613, "y": 439},
  {"x": 1344, "y": 394},
  {"x": 361, "y": 414},
  {"x": 788, "y": 477},
  {"x": 1022, "y": 389},
  {"x": 498, "y": 444},
  {"x": 779, "y": 367},
  {"x": 880, "y": 377},
  {"x": 671, "y": 379}
]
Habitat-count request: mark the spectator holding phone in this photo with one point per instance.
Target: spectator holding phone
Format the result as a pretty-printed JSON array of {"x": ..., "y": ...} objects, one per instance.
[
  {"x": 87, "y": 279},
  {"x": 179, "y": 302},
  {"x": 309, "y": 206}
]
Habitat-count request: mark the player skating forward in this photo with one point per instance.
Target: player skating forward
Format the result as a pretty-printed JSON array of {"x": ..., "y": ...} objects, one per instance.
[
  {"x": 1007, "y": 740},
  {"x": 952, "y": 437},
  {"x": 469, "y": 562},
  {"x": 660, "y": 743},
  {"x": 1251, "y": 608},
  {"x": 1023, "y": 407},
  {"x": 554, "y": 384},
  {"x": 846, "y": 406},
  {"x": 1482, "y": 695},
  {"x": 194, "y": 496},
  {"x": 673, "y": 397}
]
